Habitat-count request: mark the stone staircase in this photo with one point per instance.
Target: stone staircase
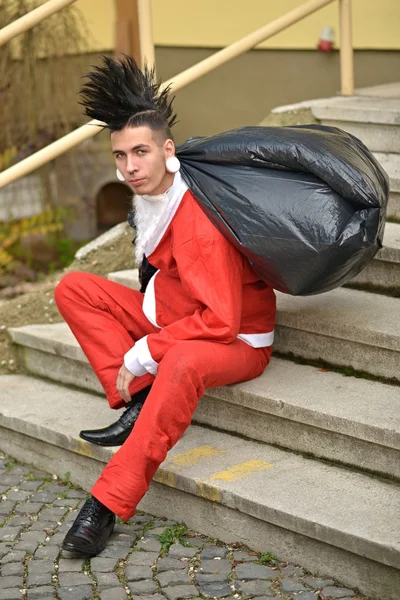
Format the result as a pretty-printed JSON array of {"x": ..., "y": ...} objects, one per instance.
[{"x": 302, "y": 461}]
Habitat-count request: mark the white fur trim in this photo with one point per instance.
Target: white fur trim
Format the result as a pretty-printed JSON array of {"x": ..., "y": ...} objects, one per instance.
[
  {"x": 132, "y": 363},
  {"x": 144, "y": 356},
  {"x": 149, "y": 302},
  {"x": 175, "y": 195},
  {"x": 257, "y": 340}
]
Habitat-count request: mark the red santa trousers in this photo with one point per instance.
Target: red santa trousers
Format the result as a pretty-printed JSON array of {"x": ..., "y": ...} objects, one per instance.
[{"x": 107, "y": 318}]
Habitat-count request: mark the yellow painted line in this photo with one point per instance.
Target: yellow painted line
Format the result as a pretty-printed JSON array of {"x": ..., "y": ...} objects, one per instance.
[
  {"x": 165, "y": 477},
  {"x": 192, "y": 457},
  {"x": 242, "y": 470},
  {"x": 208, "y": 492}
]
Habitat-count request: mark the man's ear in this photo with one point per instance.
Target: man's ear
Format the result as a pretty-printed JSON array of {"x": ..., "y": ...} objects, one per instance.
[{"x": 169, "y": 148}]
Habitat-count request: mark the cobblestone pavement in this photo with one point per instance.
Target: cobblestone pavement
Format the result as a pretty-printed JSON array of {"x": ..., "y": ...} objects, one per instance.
[{"x": 147, "y": 558}]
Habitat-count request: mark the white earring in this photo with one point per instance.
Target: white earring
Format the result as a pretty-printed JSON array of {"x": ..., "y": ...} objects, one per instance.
[
  {"x": 172, "y": 164},
  {"x": 119, "y": 175}
]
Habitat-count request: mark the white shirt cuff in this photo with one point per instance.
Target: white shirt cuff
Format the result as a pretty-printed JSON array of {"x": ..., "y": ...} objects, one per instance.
[{"x": 138, "y": 359}]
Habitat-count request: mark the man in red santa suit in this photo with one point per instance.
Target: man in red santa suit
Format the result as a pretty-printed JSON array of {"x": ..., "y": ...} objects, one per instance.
[{"x": 205, "y": 320}]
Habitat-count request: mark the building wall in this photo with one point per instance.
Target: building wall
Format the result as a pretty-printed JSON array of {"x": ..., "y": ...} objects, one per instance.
[{"x": 214, "y": 24}]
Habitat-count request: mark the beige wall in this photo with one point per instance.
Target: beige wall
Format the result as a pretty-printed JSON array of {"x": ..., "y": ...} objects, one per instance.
[
  {"x": 243, "y": 91},
  {"x": 216, "y": 23}
]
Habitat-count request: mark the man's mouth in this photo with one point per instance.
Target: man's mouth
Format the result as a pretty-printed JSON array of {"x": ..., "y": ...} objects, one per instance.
[{"x": 136, "y": 182}]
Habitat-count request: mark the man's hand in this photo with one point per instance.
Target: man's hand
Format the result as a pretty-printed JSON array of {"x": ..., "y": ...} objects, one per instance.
[{"x": 123, "y": 380}]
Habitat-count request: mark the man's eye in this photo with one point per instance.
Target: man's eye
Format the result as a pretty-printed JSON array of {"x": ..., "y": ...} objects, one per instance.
[{"x": 141, "y": 152}]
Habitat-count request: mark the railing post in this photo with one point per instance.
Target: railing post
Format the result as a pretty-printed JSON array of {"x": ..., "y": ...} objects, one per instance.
[
  {"x": 146, "y": 33},
  {"x": 346, "y": 49}
]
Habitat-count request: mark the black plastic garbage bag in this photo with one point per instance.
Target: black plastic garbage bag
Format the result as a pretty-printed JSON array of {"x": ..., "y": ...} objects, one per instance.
[{"x": 305, "y": 204}]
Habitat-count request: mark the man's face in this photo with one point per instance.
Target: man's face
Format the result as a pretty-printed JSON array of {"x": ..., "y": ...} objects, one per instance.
[{"x": 140, "y": 155}]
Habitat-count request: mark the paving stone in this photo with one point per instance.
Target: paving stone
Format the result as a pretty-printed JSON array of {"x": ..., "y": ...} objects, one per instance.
[
  {"x": 76, "y": 494},
  {"x": 149, "y": 545},
  {"x": 103, "y": 565},
  {"x": 213, "y": 552},
  {"x": 70, "y": 565},
  {"x": 215, "y": 566},
  {"x": 117, "y": 593},
  {"x": 257, "y": 587},
  {"x": 155, "y": 532},
  {"x": 43, "y": 496},
  {"x": 12, "y": 569},
  {"x": 53, "y": 514},
  {"x": 179, "y": 551},
  {"x": 10, "y": 594},
  {"x": 72, "y": 579},
  {"x": 244, "y": 556},
  {"x": 13, "y": 556},
  {"x": 6, "y": 506},
  {"x": 153, "y": 597},
  {"x": 195, "y": 541},
  {"x": 264, "y": 598},
  {"x": 11, "y": 480},
  {"x": 30, "y": 540},
  {"x": 180, "y": 591},
  {"x": 167, "y": 563},
  {"x": 165, "y": 523},
  {"x": 290, "y": 585},
  {"x": 41, "y": 566},
  {"x": 248, "y": 571},
  {"x": 138, "y": 573},
  {"x": 8, "y": 534},
  {"x": 42, "y": 526},
  {"x": 145, "y": 559},
  {"x": 50, "y": 552},
  {"x": 211, "y": 577},
  {"x": 107, "y": 580},
  {"x": 142, "y": 519},
  {"x": 45, "y": 592},
  {"x": 116, "y": 553},
  {"x": 147, "y": 586},
  {"x": 28, "y": 508},
  {"x": 19, "y": 521},
  {"x": 307, "y": 596},
  {"x": 36, "y": 579},
  {"x": 68, "y": 503},
  {"x": 12, "y": 581},
  {"x": 215, "y": 590},
  {"x": 18, "y": 495},
  {"x": 4, "y": 549},
  {"x": 291, "y": 571},
  {"x": 317, "y": 583},
  {"x": 174, "y": 578},
  {"x": 79, "y": 592},
  {"x": 30, "y": 485},
  {"x": 335, "y": 592}
]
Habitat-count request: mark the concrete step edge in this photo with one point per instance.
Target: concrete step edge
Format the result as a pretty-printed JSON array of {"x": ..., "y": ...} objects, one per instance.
[
  {"x": 372, "y": 416},
  {"x": 204, "y": 464}
]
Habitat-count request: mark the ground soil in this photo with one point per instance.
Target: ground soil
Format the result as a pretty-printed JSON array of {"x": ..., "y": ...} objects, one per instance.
[{"x": 37, "y": 304}]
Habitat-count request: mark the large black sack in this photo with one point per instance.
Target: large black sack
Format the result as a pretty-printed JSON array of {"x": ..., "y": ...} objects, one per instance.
[{"x": 305, "y": 204}]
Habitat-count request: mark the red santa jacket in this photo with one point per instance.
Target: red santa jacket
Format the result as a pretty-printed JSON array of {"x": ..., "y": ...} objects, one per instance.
[{"x": 204, "y": 288}]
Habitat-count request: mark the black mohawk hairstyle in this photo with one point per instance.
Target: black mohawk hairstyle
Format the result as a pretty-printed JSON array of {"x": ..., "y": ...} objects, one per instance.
[{"x": 118, "y": 91}]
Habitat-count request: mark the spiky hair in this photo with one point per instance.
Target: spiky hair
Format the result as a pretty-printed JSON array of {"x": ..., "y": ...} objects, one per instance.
[{"x": 120, "y": 94}]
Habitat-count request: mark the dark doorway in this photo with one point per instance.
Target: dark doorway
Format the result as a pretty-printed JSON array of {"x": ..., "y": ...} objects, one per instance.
[{"x": 112, "y": 205}]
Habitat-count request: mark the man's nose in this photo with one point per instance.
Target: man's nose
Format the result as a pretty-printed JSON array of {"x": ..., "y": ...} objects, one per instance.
[{"x": 131, "y": 165}]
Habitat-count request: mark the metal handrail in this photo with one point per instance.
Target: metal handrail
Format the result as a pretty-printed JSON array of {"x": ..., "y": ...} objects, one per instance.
[{"x": 69, "y": 141}]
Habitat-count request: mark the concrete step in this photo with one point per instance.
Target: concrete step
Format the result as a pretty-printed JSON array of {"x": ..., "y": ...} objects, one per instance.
[
  {"x": 341, "y": 523},
  {"x": 391, "y": 163},
  {"x": 344, "y": 327},
  {"x": 374, "y": 120},
  {"x": 342, "y": 419},
  {"x": 384, "y": 270}
]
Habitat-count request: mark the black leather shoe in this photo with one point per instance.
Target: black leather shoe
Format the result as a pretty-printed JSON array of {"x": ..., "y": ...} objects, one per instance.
[
  {"x": 91, "y": 529},
  {"x": 117, "y": 433}
]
